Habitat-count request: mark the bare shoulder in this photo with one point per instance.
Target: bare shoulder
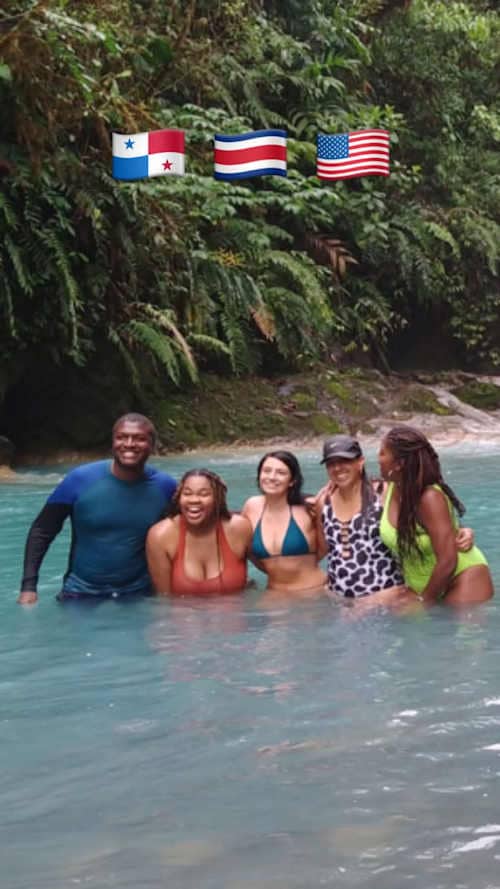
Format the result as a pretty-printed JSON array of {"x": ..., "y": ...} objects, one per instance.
[
  {"x": 238, "y": 531},
  {"x": 302, "y": 515},
  {"x": 239, "y": 526},
  {"x": 432, "y": 497},
  {"x": 252, "y": 505},
  {"x": 162, "y": 531},
  {"x": 433, "y": 503}
]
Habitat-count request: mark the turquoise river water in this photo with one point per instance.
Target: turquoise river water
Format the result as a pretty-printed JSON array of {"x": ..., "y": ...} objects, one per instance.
[{"x": 226, "y": 745}]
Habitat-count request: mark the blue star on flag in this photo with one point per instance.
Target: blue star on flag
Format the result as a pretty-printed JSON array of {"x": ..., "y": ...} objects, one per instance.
[{"x": 129, "y": 143}]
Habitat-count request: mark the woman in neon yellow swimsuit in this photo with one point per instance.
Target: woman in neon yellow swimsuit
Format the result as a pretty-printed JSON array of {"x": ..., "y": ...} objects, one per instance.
[{"x": 419, "y": 524}]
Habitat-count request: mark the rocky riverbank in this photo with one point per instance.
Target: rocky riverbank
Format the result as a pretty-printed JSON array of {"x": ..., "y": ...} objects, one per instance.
[{"x": 301, "y": 409}]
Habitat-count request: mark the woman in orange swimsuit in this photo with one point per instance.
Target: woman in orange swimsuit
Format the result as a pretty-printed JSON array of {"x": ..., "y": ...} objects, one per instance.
[
  {"x": 284, "y": 541},
  {"x": 202, "y": 548}
]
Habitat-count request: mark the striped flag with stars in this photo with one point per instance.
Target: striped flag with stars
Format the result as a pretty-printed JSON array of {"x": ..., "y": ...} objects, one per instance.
[
  {"x": 140, "y": 155},
  {"x": 361, "y": 153}
]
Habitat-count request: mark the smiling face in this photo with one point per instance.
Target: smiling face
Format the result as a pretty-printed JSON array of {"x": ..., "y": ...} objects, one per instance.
[
  {"x": 275, "y": 477},
  {"x": 345, "y": 473},
  {"x": 389, "y": 466},
  {"x": 132, "y": 445},
  {"x": 197, "y": 501}
]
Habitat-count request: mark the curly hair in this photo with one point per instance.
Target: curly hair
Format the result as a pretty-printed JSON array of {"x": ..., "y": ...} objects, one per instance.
[
  {"x": 294, "y": 494},
  {"x": 219, "y": 489},
  {"x": 420, "y": 468}
]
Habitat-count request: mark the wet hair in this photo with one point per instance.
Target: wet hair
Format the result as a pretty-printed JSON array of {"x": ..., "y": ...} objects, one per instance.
[
  {"x": 294, "y": 495},
  {"x": 420, "y": 468},
  {"x": 139, "y": 420},
  {"x": 367, "y": 495},
  {"x": 219, "y": 489}
]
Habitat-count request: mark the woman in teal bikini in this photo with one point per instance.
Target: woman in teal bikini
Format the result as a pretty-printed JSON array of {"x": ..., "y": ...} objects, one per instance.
[
  {"x": 419, "y": 524},
  {"x": 284, "y": 543}
]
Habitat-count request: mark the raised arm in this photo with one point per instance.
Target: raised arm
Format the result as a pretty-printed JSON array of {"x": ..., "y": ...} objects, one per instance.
[
  {"x": 159, "y": 561},
  {"x": 434, "y": 515},
  {"x": 320, "y": 499},
  {"x": 250, "y": 511},
  {"x": 241, "y": 531}
]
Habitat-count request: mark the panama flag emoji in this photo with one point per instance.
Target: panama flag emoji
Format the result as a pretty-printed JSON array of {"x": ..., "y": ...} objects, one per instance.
[{"x": 141, "y": 155}]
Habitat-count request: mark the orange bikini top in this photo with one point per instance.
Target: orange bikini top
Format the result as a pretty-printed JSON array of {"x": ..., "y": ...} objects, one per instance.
[{"x": 233, "y": 576}]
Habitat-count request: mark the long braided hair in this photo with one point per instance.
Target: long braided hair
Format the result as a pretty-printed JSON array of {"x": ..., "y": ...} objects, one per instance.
[
  {"x": 219, "y": 489},
  {"x": 420, "y": 467},
  {"x": 367, "y": 496}
]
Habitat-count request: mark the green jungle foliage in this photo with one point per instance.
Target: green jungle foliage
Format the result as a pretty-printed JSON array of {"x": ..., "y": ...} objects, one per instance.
[{"x": 268, "y": 273}]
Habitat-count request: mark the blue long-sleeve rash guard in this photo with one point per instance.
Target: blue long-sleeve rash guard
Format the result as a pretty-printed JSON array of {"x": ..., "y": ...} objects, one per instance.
[{"x": 109, "y": 519}]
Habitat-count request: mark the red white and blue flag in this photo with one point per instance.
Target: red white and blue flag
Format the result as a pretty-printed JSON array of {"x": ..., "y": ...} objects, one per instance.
[
  {"x": 261, "y": 153},
  {"x": 361, "y": 153},
  {"x": 140, "y": 155}
]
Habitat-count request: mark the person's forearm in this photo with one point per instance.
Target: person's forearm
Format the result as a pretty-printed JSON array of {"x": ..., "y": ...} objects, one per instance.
[
  {"x": 160, "y": 571},
  {"x": 439, "y": 579},
  {"x": 161, "y": 587},
  {"x": 42, "y": 532}
]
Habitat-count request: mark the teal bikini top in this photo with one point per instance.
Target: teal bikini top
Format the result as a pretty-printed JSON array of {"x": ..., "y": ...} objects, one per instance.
[{"x": 294, "y": 543}]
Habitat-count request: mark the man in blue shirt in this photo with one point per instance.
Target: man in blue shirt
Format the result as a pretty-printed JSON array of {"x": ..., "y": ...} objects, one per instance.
[{"x": 111, "y": 505}]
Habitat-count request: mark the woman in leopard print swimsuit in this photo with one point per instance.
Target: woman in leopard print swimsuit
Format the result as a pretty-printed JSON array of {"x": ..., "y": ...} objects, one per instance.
[
  {"x": 359, "y": 564},
  {"x": 349, "y": 511}
]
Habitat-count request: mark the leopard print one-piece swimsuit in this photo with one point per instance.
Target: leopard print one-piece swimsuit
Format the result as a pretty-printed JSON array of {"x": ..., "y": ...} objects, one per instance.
[{"x": 359, "y": 563}]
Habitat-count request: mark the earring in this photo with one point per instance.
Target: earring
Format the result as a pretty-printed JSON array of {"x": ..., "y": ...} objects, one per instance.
[{"x": 390, "y": 472}]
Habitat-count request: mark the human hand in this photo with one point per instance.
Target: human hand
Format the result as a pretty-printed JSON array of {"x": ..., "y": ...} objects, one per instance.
[
  {"x": 464, "y": 539},
  {"x": 314, "y": 504},
  {"x": 27, "y": 597}
]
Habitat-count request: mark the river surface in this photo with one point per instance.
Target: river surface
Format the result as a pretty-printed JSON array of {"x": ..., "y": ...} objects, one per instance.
[{"x": 225, "y": 744}]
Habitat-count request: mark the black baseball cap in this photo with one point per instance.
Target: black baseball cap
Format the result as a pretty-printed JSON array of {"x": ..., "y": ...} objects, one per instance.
[{"x": 341, "y": 446}]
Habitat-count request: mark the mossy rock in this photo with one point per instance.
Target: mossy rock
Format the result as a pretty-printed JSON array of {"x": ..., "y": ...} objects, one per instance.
[
  {"x": 421, "y": 401},
  {"x": 485, "y": 396},
  {"x": 337, "y": 390},
  {"x": 219, "y": 410},
  {"x": 324, "y": 425},
  {"x": 304, "y": 401}
]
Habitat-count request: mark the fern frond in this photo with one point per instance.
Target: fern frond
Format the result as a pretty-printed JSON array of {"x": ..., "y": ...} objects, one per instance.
[
  {"x": 22, "y": 274},
  {"x": 126, "y": 356},
  {"x": 159, "y": 346},
  {"x": 164, "y": 319},
  {"x": 443, "y": 234},
  {"x": 300, "y": 274},
  {"x": 210, "y": 344},
  {"x": 8, "y": 212},
  {"x": 8, "y": 303}
]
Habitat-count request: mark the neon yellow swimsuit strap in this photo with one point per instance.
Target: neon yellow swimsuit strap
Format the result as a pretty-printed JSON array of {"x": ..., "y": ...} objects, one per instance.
[{"x": 387, "y": 531}]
